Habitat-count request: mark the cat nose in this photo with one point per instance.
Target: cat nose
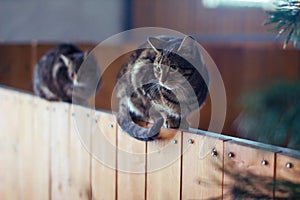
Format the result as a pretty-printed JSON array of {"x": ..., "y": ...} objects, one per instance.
[{"x": 163, "y": 79}]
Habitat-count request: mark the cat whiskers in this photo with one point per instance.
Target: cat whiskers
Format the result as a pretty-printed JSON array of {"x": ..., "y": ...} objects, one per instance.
[
  {"x": 179, "y": 92},
  {"x": 153, "y": 89}
]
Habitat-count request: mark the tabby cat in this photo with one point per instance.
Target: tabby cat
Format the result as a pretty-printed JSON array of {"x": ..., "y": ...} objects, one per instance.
[
  {"x": 57, "y": 77},
  {"x": 159, "y": 84}
]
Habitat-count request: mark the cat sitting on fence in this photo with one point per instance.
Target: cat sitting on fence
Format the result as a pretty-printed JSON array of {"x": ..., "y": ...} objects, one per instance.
[
  {"x": 159, "y": 84},
  {"x": 65, "y": 73}
]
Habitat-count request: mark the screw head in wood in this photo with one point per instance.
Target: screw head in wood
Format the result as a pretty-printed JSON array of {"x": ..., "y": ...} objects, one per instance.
[
  {"x": 230, "y": 155},
  {"x": 288, "y": 165},
  {"x": 111, "y": 125},
  {"x": 190, "y": 141},
  {"x": 174, "y": 141},
  {"x": 214, "y": 153},
  {"x": 264, "y": 162}
]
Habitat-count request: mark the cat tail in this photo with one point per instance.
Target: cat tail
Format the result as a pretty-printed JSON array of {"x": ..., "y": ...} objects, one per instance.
[{"x": 134, "y": 130}]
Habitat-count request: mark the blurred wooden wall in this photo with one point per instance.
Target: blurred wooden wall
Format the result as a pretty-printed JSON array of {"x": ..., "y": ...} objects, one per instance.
[{"x": 190, "y": 17}]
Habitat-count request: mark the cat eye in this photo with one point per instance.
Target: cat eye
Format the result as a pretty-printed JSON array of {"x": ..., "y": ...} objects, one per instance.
[
  {"x": 173, "y": 68},
  {"x": 72, "y": 74}
]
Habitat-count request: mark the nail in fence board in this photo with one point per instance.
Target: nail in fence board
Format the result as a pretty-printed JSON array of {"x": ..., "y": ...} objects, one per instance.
[
  {"x": 60, "y": 151},
  {"x": 9, "y": 146},
  {"x": 80, "y": 135},
  {"x": 163, "y": 166},
  {"x": 248, "y": 172},
  {"x": 104, "y": 129},
  {"x": 131, "y": 166},
  {"x": 287, "y": 184},
  {"x": 201, "y": 171}
]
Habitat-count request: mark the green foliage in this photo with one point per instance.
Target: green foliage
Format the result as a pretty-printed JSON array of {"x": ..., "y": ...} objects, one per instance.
[
  {"x": 272, "y": 115},
  {"x": 285, "y": 19}
]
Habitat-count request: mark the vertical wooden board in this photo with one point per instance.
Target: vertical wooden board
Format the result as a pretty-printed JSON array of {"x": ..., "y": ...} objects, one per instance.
[
  {"x": 287, "y": 183},
  {"x": 131, "y": 166},
  {"x": 248, "y": 172},
  {"x": 202, "y": 174},
  {"x": 104, "y": 152},
  {"x": 41, "y": 149},
  {"x": 9, "y": 145},
  {"x": 25, "y": 136},
  {"x": 164, "y": 166},
  {"x": 60, "y": 155},
  {"x": 80, "y": 135}
]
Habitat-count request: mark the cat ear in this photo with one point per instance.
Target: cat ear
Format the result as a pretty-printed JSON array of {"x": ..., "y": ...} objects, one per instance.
[
  {"x": 156, "y": 43},
  {"x": 65, "y": 59},
  {"x": 187, "y": 45}
]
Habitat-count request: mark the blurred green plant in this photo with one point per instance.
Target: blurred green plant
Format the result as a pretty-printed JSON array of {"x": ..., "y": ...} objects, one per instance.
[
  {"x": 286, "y": 18},
  {"x": 272, "y": 115}
]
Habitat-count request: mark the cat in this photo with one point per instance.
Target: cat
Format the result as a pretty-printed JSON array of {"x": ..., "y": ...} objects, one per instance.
[
  {"x": 57, "y": 75},
  {"x": 159, "y": 84}
]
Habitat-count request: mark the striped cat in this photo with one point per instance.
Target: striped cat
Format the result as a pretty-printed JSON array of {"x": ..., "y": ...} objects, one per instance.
[
  {"x": 57, "y": 78},
  {"x": 159, "y": 84}
]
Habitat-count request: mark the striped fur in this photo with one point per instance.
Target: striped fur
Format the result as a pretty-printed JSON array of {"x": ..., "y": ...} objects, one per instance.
[
  {"x": 56, "y": 75},
  {"x": 159, "y": 84}
]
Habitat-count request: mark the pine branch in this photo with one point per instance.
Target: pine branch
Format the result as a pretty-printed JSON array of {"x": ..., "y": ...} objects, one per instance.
[{"x": 286, "y": 20}]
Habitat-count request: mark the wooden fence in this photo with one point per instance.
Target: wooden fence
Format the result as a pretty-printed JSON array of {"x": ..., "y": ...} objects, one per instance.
[{"x": 52, "y": 150}]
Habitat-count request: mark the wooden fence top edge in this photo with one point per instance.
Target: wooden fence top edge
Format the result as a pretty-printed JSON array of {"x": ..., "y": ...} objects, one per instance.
[{"x": 268, "y": 147}]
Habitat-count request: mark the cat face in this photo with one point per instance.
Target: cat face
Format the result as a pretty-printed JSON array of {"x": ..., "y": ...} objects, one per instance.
[
  {"x": 171, "y": 70},
  {"x": 73, "y": 62}
]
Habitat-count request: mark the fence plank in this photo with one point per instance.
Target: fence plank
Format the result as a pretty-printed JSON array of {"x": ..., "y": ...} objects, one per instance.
[
  {"x": 287, "y": 184},
  {"x": 131, "y": 164},
  {"x": 41, "y": 149},
  {"x": 9, "y": 145},
  {"x": 202, "y": 172},
  {"x": 104, "y": 156},
  {"x": 60, "y": 155},
  {"x": 80, "y": 135},
  {"x": 25, "y": 137},
  {"x": 163, "y": 166},
  {"x": 248, "y": 172}
]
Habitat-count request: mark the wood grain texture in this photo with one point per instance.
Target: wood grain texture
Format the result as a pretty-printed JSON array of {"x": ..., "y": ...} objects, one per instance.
[
  {"x": 164, "y": 166},
  {"x": 287, "y": 183},
  {"x": 245, "y": 175},
  {"x": 202, "y": 174},
  {"x": 9, "y": 146},
  {"x": 41, "y": 149},
  {"x": 60, "y": 151},
  {"x": 104, "y": 152},
  {"x": 80, "y": 159},
  {"x": 25, "y": 137},
  {"x": 131, "y": 166}
]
